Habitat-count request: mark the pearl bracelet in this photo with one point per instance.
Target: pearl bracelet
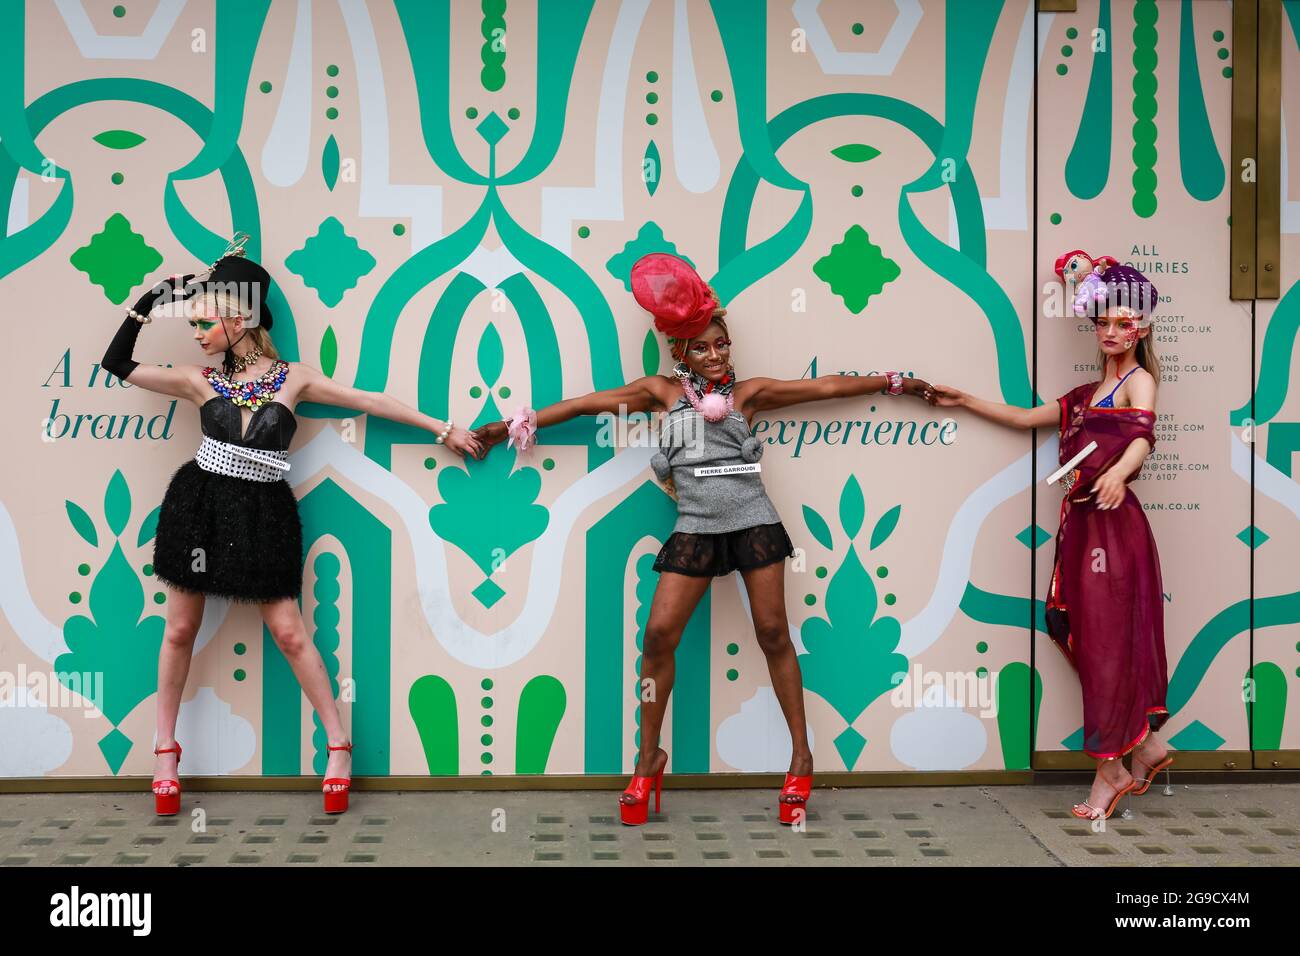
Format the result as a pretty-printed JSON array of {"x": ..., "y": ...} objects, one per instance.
[
  {"x": 442, "y": 435},
  {"x": 142, "y": 319}
]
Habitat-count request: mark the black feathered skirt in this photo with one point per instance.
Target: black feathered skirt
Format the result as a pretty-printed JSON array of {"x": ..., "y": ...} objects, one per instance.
[{"x": 229, "y": 537}]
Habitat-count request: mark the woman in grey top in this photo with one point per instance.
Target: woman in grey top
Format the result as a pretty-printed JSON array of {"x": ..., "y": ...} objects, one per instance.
[{"x": 709, "y": 463}]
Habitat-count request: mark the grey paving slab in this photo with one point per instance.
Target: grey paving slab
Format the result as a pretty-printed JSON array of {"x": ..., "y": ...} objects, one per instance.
[
  {"x": 939, "y": 826},
  {"x": 1179, "y": 825}
]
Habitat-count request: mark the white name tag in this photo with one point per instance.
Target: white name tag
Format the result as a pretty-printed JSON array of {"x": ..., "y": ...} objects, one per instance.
[{"x": 727, "y": 470}]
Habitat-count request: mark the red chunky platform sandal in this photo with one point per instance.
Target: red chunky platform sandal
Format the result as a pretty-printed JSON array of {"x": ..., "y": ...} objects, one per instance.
[
  {"x": 167, "y": 804},
  {"x": 635, "y": 814},
  {"x": 801, "y": 787},
  {"x": 336, "y": 801}
]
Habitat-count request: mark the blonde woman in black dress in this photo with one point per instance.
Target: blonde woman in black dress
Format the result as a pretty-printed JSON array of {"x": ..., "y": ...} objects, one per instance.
[{"x": 229, "y": 525}]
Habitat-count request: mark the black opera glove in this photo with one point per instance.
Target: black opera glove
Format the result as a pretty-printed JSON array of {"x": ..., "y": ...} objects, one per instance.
[{"x": 168, "y": 289}]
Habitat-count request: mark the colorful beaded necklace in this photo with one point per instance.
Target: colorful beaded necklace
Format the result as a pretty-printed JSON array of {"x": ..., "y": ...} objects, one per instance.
[{"x": 251, "y": 394}]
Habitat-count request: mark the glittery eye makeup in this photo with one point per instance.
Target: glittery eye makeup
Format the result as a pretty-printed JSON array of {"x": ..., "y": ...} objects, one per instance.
[
  {"x": 701, "y": 348},
  {"x": 203, "y": 324}
]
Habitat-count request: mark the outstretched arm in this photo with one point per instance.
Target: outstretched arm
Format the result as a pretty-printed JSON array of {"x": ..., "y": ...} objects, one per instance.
[
  {"x": 1041, "y": 416},
  {"x": 764, "y": 394},
  {"x": 318, "y": 387},
  {"x": 642, "y": 395}
]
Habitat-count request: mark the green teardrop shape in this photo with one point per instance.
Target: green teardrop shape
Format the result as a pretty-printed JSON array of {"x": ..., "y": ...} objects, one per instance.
[
  {"x": 650, "y": 168},
  {"x": 491, "y": 355},
  {"x": 855, "y": 152},
  {"x": 119, "y": 139},
  {"x": 82, "y": 524},
  {"x": 117, "y": 503},
  {"x": 329, "y": 351},
  {"x": 650, "y": 353},
  {"x": 329, "y": 162}
]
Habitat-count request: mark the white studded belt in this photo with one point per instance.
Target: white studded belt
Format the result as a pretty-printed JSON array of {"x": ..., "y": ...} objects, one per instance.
[{"x": 253, "y": 464}]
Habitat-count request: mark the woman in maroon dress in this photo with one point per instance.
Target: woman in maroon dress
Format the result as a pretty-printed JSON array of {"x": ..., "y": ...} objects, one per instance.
[{"x": 1104, "y": 603}]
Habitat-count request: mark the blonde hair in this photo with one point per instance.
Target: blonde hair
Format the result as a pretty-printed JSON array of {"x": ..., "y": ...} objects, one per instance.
[{"x": 223, "y": 305}]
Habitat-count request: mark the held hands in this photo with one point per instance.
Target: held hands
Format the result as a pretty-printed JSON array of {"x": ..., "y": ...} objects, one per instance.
[
  {"x": 1109, "y": 489},
  {"x": 946, "y": 397},
  {"x": 493, "y": 433},
  {"x": 461, "y": 441},
  {"x": 919, "y": 387}
]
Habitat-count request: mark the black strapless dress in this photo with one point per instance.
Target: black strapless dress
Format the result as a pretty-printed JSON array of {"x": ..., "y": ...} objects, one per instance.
[{"x": 232, "y": 537}]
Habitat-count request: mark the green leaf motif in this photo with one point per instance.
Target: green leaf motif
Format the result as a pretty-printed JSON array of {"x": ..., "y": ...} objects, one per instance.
[
  {"x": 885, "y": 526},
  {"x": 817, "y": 525},
  {"x": 329, "y": 351},
  {"x": 117, "y": 503},
  {"x": 851, "y": 658},
  {"x": 491, "y": 355},
  {"x": 148, "y": 528},
  {"x": 114, "y": 642},
  {"x": 487, "y": 510},
  {"x": 650, "y": 354},
  {"x": 855, "y": 152},
  {"x": 329, "y": 162},
  {"x": 119, "y": 139},
  {"x": 853, "y": 509},
  {"x": 82, "y": 524}
]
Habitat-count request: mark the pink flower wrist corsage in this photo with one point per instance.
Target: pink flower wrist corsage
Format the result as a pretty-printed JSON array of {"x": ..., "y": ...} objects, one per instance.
[{"x": 522, "y": 428}]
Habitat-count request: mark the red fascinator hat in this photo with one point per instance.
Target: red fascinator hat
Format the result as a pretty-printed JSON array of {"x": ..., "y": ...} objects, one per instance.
[{"x": 670, "y": 289}]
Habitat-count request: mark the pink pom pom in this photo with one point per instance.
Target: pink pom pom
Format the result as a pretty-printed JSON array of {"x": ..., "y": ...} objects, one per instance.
[{"x": 713, "y": 407}]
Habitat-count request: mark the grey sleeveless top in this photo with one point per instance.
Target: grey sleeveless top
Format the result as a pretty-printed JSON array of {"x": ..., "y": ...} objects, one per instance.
[{"x": 713, "y": 504}]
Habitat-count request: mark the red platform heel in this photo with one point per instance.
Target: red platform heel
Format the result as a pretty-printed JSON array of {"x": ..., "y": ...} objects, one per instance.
[
  {"x": 800, "y": 787},
  {"x": 336, "y": 801},
  {"x": 167, "y": 804},
  {"x": 635, "y": 814}
]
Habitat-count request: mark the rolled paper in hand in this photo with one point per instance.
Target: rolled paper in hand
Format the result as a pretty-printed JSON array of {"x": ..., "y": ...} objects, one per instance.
[
  {"x": 522, "y": 428},
  {"x": 1069, "y": 465}
]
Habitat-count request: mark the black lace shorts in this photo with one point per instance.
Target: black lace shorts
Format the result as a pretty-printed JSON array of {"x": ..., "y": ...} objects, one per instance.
[{"x": 711, "y": 555}]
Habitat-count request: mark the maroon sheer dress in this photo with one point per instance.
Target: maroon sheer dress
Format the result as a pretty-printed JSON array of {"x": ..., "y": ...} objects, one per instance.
[{"x": 1104, "y": 604}]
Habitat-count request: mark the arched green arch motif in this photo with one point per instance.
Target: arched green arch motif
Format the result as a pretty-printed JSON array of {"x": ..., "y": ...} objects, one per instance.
[
  {"x": 965, "y": 267},
  {"x": 202, "y": 243},
  {"x": 239, "y": 25},
  {"x": 561, "y": 25},
  {"x": 540, "y": 339},
  {"x": 329, "y": 510},
  {"x": 646, "y": 511},
  {"x": 969, "y": 29},
  {"x": 440, "y": 258}
]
